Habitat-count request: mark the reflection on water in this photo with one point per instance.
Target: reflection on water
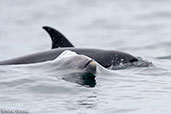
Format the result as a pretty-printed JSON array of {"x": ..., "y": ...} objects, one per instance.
[{"x": 85, "y": 79}]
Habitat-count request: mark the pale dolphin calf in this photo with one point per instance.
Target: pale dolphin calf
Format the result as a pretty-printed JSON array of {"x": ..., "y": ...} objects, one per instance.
[{"x": 67, "y": 60}]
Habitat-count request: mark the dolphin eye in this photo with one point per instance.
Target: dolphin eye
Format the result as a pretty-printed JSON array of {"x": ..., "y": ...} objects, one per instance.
[{"x": 133, "y": 60}]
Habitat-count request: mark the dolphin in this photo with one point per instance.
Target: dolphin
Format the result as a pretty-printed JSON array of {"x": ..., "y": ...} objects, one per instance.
[
  {"x": 67, "y": 60},
  {"x": 72, "y": 61},
  {"x": 106, "y": 58},
  {"x": 75, "y": 68}
]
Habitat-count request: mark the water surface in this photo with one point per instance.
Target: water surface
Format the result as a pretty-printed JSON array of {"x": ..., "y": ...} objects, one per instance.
[{"x": 139, "y": 27}]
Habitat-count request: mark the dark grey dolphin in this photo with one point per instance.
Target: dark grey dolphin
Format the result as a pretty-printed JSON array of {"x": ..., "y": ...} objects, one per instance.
[{"x": 106, "y": 58}]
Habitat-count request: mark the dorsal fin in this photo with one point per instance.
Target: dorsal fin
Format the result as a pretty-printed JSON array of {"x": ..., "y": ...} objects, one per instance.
[{"x": 58, "y": 39}]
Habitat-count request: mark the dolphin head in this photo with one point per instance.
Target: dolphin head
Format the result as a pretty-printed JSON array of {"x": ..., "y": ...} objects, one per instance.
[
  {"x": 80, "y": 62},
  {"x": 71, "y": 60},
  {"x": 91, "y": 66}
]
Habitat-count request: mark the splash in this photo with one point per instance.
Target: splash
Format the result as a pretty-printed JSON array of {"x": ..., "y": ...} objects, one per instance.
[{"x": 140, "y": 63}]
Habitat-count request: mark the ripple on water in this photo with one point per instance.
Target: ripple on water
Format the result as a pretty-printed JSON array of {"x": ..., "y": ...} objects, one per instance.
[{"x": 15, "y": 83}]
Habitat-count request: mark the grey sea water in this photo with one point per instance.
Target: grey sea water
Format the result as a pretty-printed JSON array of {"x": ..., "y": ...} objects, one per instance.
[{"x": 139, "y": 27}]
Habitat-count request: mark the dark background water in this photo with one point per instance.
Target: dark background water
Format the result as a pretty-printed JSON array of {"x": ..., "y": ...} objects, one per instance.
[{"x": 139, "y": 27}]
